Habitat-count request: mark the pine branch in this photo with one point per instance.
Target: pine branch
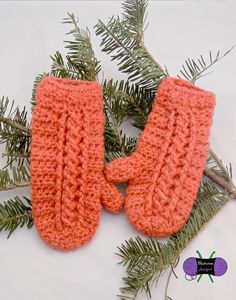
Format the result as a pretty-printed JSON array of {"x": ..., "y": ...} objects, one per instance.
[
  {"x": 12, "y": 116},
  {"x": 14, "y": 178},
  {"x": 116, "y": 143},
  {"x": 145, "y": 260},
  {"x": 195, "y": 69},
  {"x": 169, "y": 276},
  {"x": 136, "y": 101},
  {"x": 81, "y": 54},
  {"x": 14, "y": 130},
  {"x": 14, "y": 124},
  {"x": 133, "y": 59},
  {"x": 14, "y": 214},
  {"x": 134, "y": 14},
  {"x": 37, "y": 80},
  {"x": 218, "y": 167},
  {"x": 125, "y": 40},
  {"x": 219, "y": 174},
  {"x": 79, "y": 64},
  {"x": 229, "y": 187},
  {"x": 19, "y": 155},
  {"x": 62, "y": 69}
]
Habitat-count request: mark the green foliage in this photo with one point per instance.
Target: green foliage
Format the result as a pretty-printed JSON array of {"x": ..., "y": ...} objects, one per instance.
[
  {"x": 116, "y": 143},
  {"x": 195, "y": 69},
  {"x": 124, "y": 40},
  {"x": 216, "y": 165},
  {"x": 81, "y": 54},
  {"x": 15, "y": 213},
  {"x": 134, "y": 16},
  {"x": 14, "y": 131},
  {"x": 64, "y": 68},
  {"x": 37, "y": 80},
  {"x": 130, "y": 101},
  {"x": 79, "y": 63},
  {"x": 122, "y": 101},
  {"x": 15, "y": 177}
]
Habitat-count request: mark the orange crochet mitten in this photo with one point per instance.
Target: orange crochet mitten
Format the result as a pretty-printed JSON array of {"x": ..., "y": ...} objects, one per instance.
[
  {"x": 67, "y": 161},
  {"x": 165, "y": 170}
]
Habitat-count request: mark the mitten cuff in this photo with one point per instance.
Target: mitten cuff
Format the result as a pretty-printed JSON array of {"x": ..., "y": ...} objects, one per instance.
[{"x": 178, "y": 92}]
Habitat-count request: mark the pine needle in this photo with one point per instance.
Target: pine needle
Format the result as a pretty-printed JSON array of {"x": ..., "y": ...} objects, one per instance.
[
  {"x": 14, "y": 177},
  {"x": 123, "y": 38},
  {"x": 192, "y": 70},
  {"x": 14, "y": 213},
  {"x": 14, "y": 131}
]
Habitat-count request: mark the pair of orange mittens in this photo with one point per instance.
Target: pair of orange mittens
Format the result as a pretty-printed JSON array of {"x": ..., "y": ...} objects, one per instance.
[{"x": 70, "y": 181}]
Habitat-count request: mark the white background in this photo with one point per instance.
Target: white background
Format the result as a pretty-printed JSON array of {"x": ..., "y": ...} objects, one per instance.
[{"x": 29, "y": 32}]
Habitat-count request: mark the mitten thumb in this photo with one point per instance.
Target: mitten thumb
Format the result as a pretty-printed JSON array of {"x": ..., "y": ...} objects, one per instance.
[
  {"x": 111, "y": 198},
  {"x": 122, "y": 169}
]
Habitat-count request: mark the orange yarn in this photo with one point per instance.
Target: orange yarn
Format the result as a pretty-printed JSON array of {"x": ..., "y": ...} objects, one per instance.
[
  {"x": 67, "y": 155},
  {"x": 165, "y": 170}
]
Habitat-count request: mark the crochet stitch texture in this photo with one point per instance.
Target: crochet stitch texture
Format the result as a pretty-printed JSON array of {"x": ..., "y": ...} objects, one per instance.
[
  {"x": 67, "y": 161},
  {"x": 165, "y": 170}
]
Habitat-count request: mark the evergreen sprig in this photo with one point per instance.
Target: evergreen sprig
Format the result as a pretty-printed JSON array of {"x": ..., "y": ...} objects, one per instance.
[
  {"x": 14, "y": 131},
  {"x": 192, "y": 69},
  {"x": 216, "y": 165},
  {"x": 129, "y": 100},
  {"x": 121, "y": 101},
  {"x": 17, "y": 176},
  {"x": 15, "y": 213},
  {"x": 64, "y": 68},
  {"x": 81, "y": 54},
  {"x": 36, "y": 82},
  {"x": 123, "y": 38},
  {"x": 134, "y": 16}
]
